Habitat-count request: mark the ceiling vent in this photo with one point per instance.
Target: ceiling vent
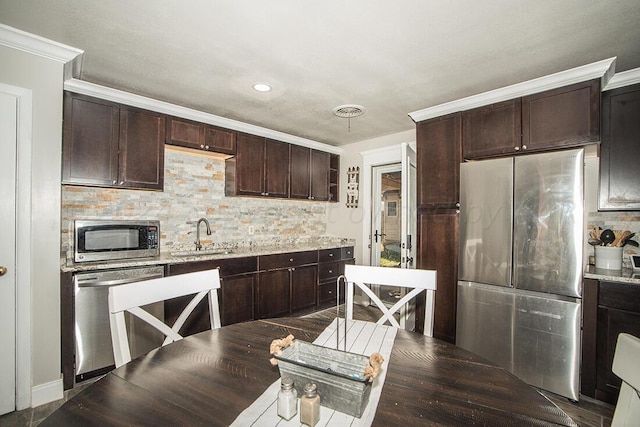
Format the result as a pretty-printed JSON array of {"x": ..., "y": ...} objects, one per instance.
[{"x": 348, "y": 111}]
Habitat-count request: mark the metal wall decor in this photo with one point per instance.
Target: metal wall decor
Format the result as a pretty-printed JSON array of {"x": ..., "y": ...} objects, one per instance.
[{"x": 353, "y": 174}]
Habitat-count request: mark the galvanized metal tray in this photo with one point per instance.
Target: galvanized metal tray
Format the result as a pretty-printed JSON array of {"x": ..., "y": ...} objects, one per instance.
[{"x": 339, "y": 375}]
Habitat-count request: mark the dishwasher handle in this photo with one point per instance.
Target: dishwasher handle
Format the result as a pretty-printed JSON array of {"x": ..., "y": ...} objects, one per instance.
[{"x": 95, "y": 281}]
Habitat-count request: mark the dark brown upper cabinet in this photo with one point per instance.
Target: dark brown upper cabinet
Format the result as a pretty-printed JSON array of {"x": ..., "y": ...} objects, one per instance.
[
  {"x": 439, "y": 153},
  {"x": 106, "y": 144},
  {"x": 563, "y": 117},
  {"x": 492, "y": 130},
  {"x": 310, "y": 174},
  {"x": 260, "y": 168},
  {"x": 200, "y": 136},
  {"x": 620, "y": 149}
]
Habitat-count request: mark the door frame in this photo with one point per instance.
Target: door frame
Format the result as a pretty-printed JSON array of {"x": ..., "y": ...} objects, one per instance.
[
  {"x": 371, "y": 158},
  {"x": 24, "y": 99},
  {"x": 376, "y": 177}
]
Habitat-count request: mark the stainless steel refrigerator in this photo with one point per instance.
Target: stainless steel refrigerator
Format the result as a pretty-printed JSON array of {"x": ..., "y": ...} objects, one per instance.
[{"x": 520, "y": 270}]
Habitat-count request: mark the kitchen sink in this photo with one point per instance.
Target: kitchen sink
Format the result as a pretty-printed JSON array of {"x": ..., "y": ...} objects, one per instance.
[{"x": 205, "y": 252}]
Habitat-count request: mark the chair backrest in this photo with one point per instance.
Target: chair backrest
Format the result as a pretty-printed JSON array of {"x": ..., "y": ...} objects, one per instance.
[
  {"x": 625, "y": 365},
  {"x": 131, "y": 296},
  {"x": 418, "y": 280}
]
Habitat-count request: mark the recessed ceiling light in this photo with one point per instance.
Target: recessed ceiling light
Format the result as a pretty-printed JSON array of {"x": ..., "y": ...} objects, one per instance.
[{"x": 262, "y": 87}]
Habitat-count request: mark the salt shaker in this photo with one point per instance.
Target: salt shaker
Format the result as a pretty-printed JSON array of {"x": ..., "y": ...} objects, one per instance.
[
  {"x": 310, "y": 405},
  {"x": 287, "y": 399}
]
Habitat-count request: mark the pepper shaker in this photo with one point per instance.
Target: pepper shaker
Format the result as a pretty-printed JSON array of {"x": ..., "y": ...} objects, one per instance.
[
  {"x": 287, "y": 399},
  {"x": 310, "y": 405}
]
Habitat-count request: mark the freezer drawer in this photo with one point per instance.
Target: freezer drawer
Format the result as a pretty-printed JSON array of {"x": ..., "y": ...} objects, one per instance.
[
  {"x": 547, "y": 343},
  {"x": 533, "y": 335},
  {"x": 484, "y": 323}
]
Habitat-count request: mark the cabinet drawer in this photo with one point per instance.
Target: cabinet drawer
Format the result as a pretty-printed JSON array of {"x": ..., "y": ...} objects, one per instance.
[
  {"x": 328, "y": 270},
  {"x": 347, "y": 252},
  {"x": 620, "y": 296},
  {"x": 290, "y": 259},
  {"x": 326, "y": 255},
  {"x": 228, "y": 266},
  {"x": 328, "y": 292}
]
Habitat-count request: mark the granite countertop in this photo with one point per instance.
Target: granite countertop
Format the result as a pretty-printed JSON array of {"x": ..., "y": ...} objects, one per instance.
[
  {"x": 626, "y": 275},
  {"x": 179, "y": 257}
]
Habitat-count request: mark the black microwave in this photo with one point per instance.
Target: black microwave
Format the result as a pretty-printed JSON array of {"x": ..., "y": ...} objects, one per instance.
[{"x": 105, "y": 240}]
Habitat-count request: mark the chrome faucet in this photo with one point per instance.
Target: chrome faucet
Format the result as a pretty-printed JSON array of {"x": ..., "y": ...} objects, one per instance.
[{"x": 197, "y": 242}]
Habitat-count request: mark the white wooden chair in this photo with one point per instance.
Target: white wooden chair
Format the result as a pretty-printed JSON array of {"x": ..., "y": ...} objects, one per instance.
[
  {"x": 419, "y": 280},
  {"x": 625, "y": 365},
  {"x": 131, "y": 296}
]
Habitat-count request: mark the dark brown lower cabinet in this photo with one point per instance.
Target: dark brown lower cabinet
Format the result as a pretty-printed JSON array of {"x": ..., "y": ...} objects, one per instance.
[
  {"x": 283, "y": 291},
  {"x": 274, "y": 293},
  {"x": 617, "y": 309},
  {"x": 236, "y": 296},
  {"x": 438, "y": 250}
]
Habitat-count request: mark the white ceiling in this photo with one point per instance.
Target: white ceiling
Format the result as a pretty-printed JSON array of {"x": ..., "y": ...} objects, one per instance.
[{"x": 392, "y": 57}]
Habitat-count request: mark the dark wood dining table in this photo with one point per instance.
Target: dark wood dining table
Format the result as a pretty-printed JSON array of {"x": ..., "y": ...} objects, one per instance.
[{"x": 211, "y": 377}]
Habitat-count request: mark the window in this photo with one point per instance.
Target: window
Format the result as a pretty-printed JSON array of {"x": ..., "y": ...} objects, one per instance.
[{"x": 392, "y": 208}]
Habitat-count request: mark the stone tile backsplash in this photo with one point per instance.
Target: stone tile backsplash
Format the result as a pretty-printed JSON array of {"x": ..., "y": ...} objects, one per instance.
[
  {"x": 628, "y": 220},
  {"x": 194, "y": 188}
]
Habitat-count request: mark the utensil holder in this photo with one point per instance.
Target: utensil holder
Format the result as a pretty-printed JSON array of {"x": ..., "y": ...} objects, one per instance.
[{"x": 609, "y": 257}]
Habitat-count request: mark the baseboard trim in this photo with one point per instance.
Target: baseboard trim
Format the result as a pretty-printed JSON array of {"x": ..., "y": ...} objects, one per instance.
[{"x": 47, "y": 392}]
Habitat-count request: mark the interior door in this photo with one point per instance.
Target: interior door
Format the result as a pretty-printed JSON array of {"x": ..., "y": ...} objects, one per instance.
[
  {"x": 409, "y": 208},
  {"x": 8, "y": 145},
  {"x": 408, "y": 226}
]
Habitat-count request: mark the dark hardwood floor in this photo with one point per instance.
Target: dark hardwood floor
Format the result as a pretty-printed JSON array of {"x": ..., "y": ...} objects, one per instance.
[{"x": 586, "y": 413}]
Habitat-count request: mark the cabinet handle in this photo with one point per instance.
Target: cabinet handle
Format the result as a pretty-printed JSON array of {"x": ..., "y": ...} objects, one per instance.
[
  {"x": 114, "y": 181},
  {"x": 330, "y": 271},
  {"x": 330, "y": 255},
  {"x": 121, "y": 182},
  {"x": 516, "y": 148},
  {"x": 201, "y": 145},
  {"x": 206, "y": 146},
  {"x": 524, "y": 147},
  {"x": 290, "y": 259}
]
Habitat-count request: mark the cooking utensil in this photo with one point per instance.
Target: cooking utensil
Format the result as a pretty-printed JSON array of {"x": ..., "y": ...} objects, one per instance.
[
  {"x": 607, "y": 236},
  {"x": 595, "y": 242}
]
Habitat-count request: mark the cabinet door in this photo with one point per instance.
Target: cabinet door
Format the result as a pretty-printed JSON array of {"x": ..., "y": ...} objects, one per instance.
[
  {"x": 319, "y": 175},
  {"x": 184, "y": 133},
  {"x": 439, "y": 152},
  {"x": 90, "y": 141},
  {"x": 219, "y": 140},
  {"x": 142, "y": 135},
  {"x": 276, "y": 169},
  {"x": 561, "y": 117},
  {"x": 299, "y": 172},
  {"x": 304, "y": 282},
  {"x": 273, "y": 293},
  {"x": 438, "y": 250},
  {"x": 618, "y": 312},
  {"x": 236, "y": 299},
  {"x": 250, "y": 165},
  {"x": 492, "y": 130},
  {"x": 620, "y": 149}
]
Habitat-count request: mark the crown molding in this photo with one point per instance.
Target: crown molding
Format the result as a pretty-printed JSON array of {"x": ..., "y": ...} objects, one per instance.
[
  {"x": 624, "y": 78},
  {"x": 26, "y": 42},
  {"x": 601, "y": 69},
  {"x": 121, "y": 97}
]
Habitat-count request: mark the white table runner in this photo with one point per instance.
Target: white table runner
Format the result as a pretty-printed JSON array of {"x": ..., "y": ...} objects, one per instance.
[{"x": 362, "y": 338}]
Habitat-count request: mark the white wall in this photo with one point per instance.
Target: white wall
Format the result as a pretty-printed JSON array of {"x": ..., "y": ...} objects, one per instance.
[
  {"x": 348, "y": 222},
  {"x": 44, "y": 77}
]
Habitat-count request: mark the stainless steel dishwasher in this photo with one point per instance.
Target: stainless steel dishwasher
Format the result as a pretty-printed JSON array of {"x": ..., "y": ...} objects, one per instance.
[{"x": 94, "y": 352}]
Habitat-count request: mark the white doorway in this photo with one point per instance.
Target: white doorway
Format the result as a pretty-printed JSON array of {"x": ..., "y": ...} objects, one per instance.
[
  {"x": 16, "y": 110},
  {"x": 393, "y": 224},
  {"x": 8, "y": 147}
]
